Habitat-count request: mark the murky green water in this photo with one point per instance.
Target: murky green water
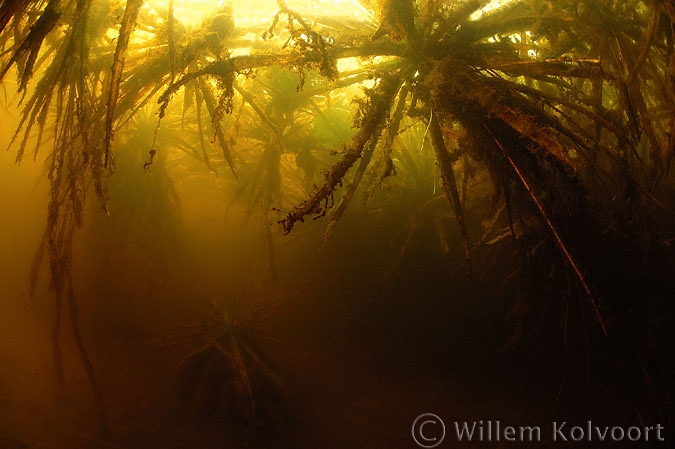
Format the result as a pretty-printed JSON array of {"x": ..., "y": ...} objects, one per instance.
[{"x": 305, "y": 224}]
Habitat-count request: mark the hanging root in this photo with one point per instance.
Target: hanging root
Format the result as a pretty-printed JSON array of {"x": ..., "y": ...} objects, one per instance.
[
  {"x": 199, "y": 98},
  {"x": 554, "y": 232},
  {"x": 57, "y": 353},
  {"x": 85, "y": 359},
  {"x": 351, "y": 189},
  {"x": 211, "y": 105},
  {"x": 445, "y": 161},
  {"x": 392, "y": 131},
  {"x": 374, "y": 118},
  {"x": 128, "y": 24},
  {"x": 33, "y": 43}
]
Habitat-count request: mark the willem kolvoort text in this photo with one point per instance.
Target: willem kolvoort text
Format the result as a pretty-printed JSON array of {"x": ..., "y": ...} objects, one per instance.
[{"x": 559, "y": 431}]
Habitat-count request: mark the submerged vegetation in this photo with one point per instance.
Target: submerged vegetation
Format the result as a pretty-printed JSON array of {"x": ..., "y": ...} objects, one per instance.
[
  {"x": 226, "y": 381},
  {"x": 545, "y": 129}
]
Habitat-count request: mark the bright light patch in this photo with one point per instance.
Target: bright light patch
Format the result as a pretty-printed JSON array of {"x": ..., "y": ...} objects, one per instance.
[
  {"x": 494, "y": 4},
  {"x": 348, "y": 64},
  {"x": 260, "y": 12},
  {"x": 244, "y": 51}
]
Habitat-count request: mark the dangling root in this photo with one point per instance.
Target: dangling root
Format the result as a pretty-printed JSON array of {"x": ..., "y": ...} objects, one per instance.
[
  {"x": 128, "y": 24},
  {"x": 381, "y": 101},
  {"x": 88, "y": 366},
  {"x": 445, "y": 161},
  {"x": 554, "y": 232},
  {"x": 392, "y": 131}
]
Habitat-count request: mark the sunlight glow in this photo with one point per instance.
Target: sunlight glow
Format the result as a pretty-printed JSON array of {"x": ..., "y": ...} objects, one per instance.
[
  {"x": 348, "y": 64},
  {"x": 260, "y": 12},
  {"x": 494, "y": 4}
]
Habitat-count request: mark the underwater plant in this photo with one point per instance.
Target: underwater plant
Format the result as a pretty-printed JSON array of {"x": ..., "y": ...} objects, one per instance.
[
  {"x": 227, "y": 380},
  {"x": 565, "y": 109}
]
